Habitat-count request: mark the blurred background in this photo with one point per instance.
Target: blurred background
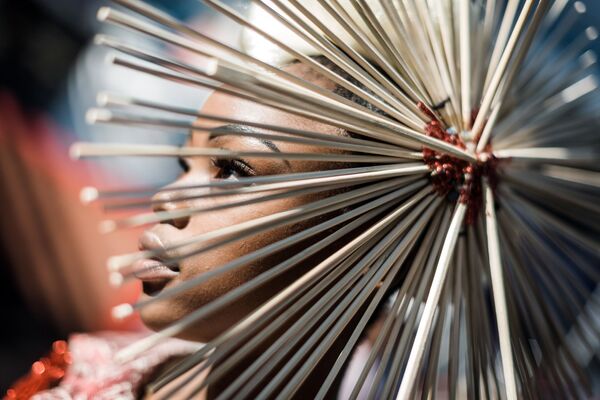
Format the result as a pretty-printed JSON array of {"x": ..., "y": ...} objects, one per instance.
[{"x": 53, "y": 279}]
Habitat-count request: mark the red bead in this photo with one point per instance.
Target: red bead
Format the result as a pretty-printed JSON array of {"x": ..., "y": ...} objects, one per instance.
[{"x": 452, "y": 174}]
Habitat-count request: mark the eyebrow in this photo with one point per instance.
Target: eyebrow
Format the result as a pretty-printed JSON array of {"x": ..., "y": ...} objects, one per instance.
[{"x": 225, "y": 129}]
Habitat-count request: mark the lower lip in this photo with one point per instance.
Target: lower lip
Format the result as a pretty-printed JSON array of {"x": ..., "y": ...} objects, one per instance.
[{"x": 152, "y": 270}]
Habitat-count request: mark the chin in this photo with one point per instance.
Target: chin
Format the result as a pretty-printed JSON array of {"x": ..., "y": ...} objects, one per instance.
[
  {"x": 161, "y": 315},
  {"x": 158, "y": 315}
]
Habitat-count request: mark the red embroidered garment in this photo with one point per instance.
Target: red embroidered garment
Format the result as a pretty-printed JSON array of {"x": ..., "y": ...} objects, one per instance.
[{"x": 91, "y": 372}]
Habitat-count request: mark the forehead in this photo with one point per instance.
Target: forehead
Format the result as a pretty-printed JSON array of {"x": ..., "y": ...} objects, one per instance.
[{"x": 233, "y": 107}]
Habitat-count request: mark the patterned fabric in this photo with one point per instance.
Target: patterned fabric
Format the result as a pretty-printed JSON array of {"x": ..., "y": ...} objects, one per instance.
[{"x": 94, "y": 374}]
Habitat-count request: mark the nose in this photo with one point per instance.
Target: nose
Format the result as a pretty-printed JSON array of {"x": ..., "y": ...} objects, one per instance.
[{"x": 167, "y": 200}]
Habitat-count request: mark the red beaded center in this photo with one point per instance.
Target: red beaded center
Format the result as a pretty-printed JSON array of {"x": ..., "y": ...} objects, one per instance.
[{"x": 456, "y": 178}]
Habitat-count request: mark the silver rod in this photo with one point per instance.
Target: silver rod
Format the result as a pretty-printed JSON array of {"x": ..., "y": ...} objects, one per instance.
[
  {"x": 382, "y": 41},
  {"x": 244, "y": 327},
  {"x": 408, "y": 51},
  {"x": 547, "y": 327},
  {"x": 375, "y": 21},
  {"x": 408, "y": 10},
  {"x": 558, "y": 225},
  {"x": 227, "y": 343},
  {"x": 416, "y": 354},
  {"x": 86, "y": 149},
  {"x": 110, "y": 99},
  {"x": 471, "y": 284},
  {"x": 253, "y": 226},
  {"x": 552, "y": 155},
  {"x": 91, "y": 193},
  {"x": 370, "y": 127},
  {"x": 308, "y": 186},
  {"x": 344, "y": 277},
  {"x": 454, "y": 345},
  {"x": 465, "y": 62},
  {"x": 374, "y": 251},
  {"x": 231, "y": 77},
  {"x": 536, "y": 183},
  {"x": 110, "y": 225},
  {"x": 367, "y": 212},
  {"x": 393, "y": 264},
  {"x": 453, "y": 103},
  {"x": 409, "y": 319},
  {"x": 483, "y": 132},
  {"x": 229, "y": 12},
  {"x": 501, "y": 68},
  {"x": 551, "y": 41},
  {"x": 240, "y": 77},
  {"x": 499, "y": 294},
  {"x": 183, "y": 195},
  {"x": 263, "y": 224},
  {"x": 107, "y": 14},
  {"x": 573, "y": 175},
  {"x": 391, "y": 322},
  {"x": 96, "y": 115},
  {"x": 502, "y": 38},
  {"x": 404, "y": 110},
  {"x": 429, "y": 388}
]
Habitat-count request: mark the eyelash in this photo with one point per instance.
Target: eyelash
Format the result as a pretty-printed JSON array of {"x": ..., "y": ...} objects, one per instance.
[{"x": 237, "y": 166}]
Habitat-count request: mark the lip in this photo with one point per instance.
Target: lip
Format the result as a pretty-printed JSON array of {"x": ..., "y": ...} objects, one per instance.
[
  {"x": 153, "y": 270},
  {"x": 154, "y": 273}
]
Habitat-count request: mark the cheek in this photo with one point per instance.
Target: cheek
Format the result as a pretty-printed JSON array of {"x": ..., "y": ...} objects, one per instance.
[
  {"x": 168, "y": 311},
  {"x": 222, "y": 254}
]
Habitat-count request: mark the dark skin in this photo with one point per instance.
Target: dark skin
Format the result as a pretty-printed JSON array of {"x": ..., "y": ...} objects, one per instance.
[{"x": 199, "y": 170}]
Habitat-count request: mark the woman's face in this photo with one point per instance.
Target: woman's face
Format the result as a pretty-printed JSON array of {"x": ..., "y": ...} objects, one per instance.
[{"x": 201, "y": 170}]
